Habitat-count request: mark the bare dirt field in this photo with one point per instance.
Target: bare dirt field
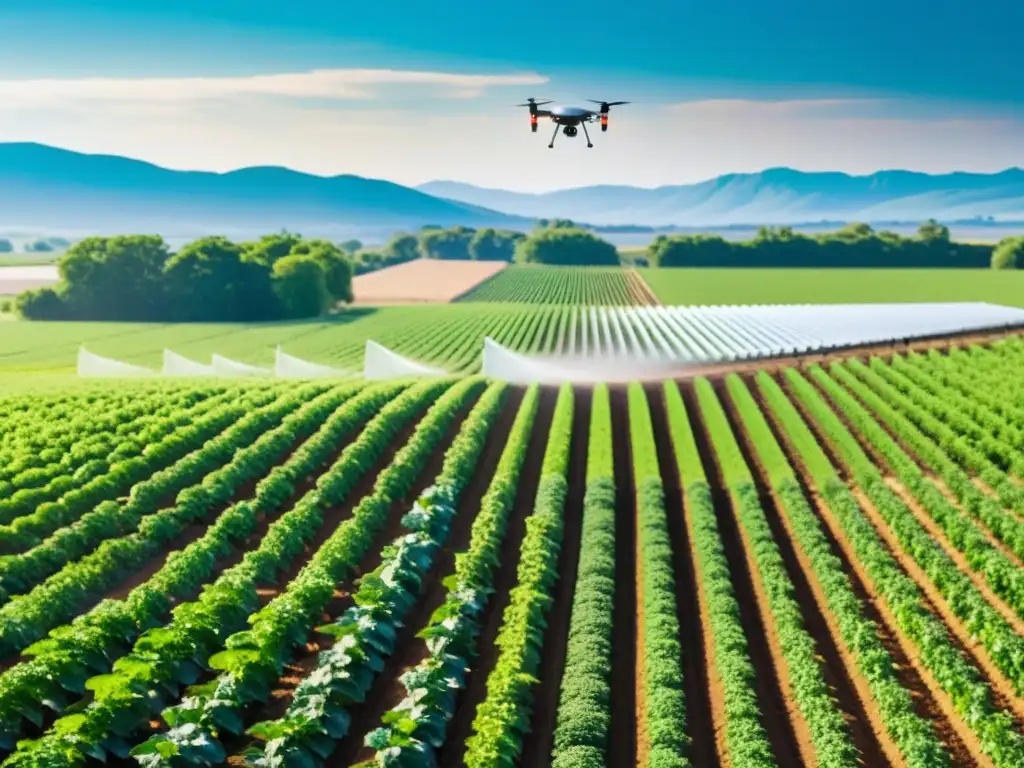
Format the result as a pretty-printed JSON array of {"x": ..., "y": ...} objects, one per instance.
[{"x": 423, "y": 280}]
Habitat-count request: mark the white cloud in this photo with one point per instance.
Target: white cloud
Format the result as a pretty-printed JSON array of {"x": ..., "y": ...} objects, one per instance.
[
  {"x": 772, "y": 108},
  {"x": 342, "y": 84}
]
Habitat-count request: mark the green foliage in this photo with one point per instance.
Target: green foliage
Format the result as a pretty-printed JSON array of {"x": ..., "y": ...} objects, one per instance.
[
  {"x": 530, "y": 284},
  {"x": 745, "y": 737},
  {"x": 351, "y": 246},
  {"x": 300, "y": 284},
  {"x": 336, "y": 266},
  {"x": 584, "y": 708},
  {"x": 253, "y": 658},
  {"x": 1009, "y": 254},
  {"x": 806, "y": 681},
  {"x": 6, "y": 246},
  {"x": 665, "y": 716},
  {"x": 856, "y": 245},
  {"x": 503, "y": 717},
  {"x": 401, "y": 247},
  {"x": 957, "y": 675},
  {"x": 41, "y": 304},
  {"x": 136, "y": 277},
  {"x": 566, "y": 246},
  {"x": 494, "y": 245},
  {"x": 446, "y": 244},
  {"x": 914, "y": 737}
]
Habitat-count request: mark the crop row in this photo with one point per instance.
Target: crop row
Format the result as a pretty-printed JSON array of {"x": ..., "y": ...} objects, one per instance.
[
  {"x": 366, "y": 633},
  {"x": 503, "y": 718},
  {"x": 584, "y": 716},
  {"x": 955, "y": 674},
  {"x": 412, "y": 731}
]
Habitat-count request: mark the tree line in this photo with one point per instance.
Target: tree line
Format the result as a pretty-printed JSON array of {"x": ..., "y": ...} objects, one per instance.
[
  {"x": 138, "y": 278},
  {"x": 856, "y": 245}
]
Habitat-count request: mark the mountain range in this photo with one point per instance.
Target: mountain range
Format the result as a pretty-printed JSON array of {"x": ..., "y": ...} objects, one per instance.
[
  {"x": 60, "y": 192},
  {"x": 65, "y": 192},
  {"x": 773, "y": 196}
]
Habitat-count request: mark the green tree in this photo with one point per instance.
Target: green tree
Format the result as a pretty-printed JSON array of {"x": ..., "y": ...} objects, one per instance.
[
  {"x": 115, "y": 278},
  {"x": 494, "y": 245},
  {"x": 566, "y": 246},
  {"x": 933, "y": 232},
  {"x": 401, "y": 247},
  {"x": 209, "y": 280},
  {"x": 6, "y": 246},
  {"x": 446, "y": 244},
  {"x": 854, "y": 231},
  {"x": 269, "y": 248},
  {"x": 338, "y": 268},
  {"x": 300, "y": 285},
  {"x": 1009, "y": 254},
  {"x": 351, "y": 246},
  {"x": 41, "y": 304}
]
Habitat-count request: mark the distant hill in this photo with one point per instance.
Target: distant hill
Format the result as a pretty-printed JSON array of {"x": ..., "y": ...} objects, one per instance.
[
  {"x": 774, "y": 196},
  {"x": 58, "y": 191}
]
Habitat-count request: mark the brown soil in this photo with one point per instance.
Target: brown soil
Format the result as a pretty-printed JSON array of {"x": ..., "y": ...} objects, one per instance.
[
  {"x": 388, "y": 689},
  {"x": 956, "y": 625},
  {"x": 929, "y": 471},
  {"x": 861, "y": 352},
  {"x": 306, "y": 659},
  {"x": 992, "y": 493},
  {"x": 1002, "y": 692},
  {"x": 191, "y": 533},
  {"x": 639, "y": 292},
  {"x": 1008, "y": 553},
  {"x": 779, "y": 728},
  {"x": 422, "y": 280},
  {"x": 931, "y": 702},
  {"x": 625, "y": 708},
  {"x": 460, "y": 727},
  {"x": 934, "y": 603},
  {"x": 838, "y": 676},
  {"x": 539, "y": 740},
  {"x": 716, "y": 687},
  {"x": 697, "y": 689}
]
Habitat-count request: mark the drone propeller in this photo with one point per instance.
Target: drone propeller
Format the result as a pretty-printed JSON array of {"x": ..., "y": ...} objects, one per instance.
[
  {"x": 606, "y": 104},
  {"x": 531, "y": 103}
]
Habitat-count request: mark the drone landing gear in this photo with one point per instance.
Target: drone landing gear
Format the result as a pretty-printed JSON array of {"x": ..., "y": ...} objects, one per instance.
[
  {"x": 587, "y": 134},
  {"x": 553, "y": 137}
]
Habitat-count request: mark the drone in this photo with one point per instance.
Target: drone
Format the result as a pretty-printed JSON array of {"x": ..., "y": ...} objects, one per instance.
[{"x": 567, "y": 118}]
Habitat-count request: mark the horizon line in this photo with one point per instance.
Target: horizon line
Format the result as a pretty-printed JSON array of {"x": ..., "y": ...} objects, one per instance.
[{"x": 416, "y": 187}]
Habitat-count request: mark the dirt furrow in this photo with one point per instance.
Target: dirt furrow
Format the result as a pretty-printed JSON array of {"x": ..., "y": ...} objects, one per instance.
[
  {"x": 905, "y": 673},
  {"x": 838, "y": 676},
  {"x": 697, "y": 685},
  {"x": 778, "y": 727},
  {"x": 306, "y": 659},
  {"x": 538, "y": 742},
  {"x": 997, "y": 681},
  {"x": 983, "y": 529},
  {"x": 388, "y": 690},
  {"x": 460, "y": 727},
  {"x": 622, "y": 744},
  {"x": 931, "y": 701}
]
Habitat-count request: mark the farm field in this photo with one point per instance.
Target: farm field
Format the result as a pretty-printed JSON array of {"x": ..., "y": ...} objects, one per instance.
[
  {"x": 590, "y": 286},
  {"x": 814, "y": 566},
  {"x": 833, "y": 286},
  {"x": 422, "y": 280},
  {"x": 451, "y": 336}
]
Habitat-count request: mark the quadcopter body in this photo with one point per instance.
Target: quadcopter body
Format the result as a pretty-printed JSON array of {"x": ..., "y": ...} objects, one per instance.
[{"x": 570, "y": 119}]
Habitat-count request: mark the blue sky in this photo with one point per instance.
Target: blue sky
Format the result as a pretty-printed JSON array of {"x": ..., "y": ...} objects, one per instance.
[{"x": 413, "y": 91}]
